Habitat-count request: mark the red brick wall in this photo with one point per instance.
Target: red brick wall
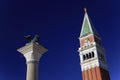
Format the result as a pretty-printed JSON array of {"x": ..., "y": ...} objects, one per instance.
[
  {"x": 96, "y": 73},
  {"x": 82, "y": 41}
]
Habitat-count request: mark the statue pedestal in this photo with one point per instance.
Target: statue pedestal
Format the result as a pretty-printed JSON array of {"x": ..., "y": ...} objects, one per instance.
[{"x": 32, "y": 53}]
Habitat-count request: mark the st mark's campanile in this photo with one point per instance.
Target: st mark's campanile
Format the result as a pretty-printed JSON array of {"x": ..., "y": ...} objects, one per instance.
[{"x": 92, "y": 54}]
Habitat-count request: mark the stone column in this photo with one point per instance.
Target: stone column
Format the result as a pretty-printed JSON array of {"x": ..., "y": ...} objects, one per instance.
[{"x": 32, "y": 53}]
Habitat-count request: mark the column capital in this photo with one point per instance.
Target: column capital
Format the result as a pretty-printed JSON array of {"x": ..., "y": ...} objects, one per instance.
[{"x": 32, "y": 51}]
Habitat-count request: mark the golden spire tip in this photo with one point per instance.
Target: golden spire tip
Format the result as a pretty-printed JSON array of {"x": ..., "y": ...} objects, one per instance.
[{"x": 85, "y": 10}]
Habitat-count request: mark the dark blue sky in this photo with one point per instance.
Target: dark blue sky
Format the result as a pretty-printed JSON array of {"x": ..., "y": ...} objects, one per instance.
[{"x": 58, "y": 22}]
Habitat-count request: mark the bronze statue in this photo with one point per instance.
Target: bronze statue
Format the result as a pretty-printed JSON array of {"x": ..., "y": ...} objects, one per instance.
[{"x": 30, "y": 40}]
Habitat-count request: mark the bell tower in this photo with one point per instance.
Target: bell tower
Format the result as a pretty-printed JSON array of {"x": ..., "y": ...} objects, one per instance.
[{"x": 92, "y": 54}]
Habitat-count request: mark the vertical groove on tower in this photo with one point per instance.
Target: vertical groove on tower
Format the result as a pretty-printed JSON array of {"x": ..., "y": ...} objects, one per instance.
[
  {"x": 94, "y": 73},
  {"x": 83, "y": 75},
  {"x": 98, "y": 73},
  {"x": 97, "y": 76},
  {"x": 87, "y": 75},
  {"x": 90, "y": 75}
]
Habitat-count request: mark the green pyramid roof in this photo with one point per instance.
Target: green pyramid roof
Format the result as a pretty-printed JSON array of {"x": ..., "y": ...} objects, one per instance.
[{"x": 87, "y": 27}]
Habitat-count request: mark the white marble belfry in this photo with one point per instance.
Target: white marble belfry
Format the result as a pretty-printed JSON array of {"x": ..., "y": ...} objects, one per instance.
[{"x": 32, "y": 53}]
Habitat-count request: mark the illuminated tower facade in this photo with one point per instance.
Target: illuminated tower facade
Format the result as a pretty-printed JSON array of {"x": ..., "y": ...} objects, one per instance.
[{"x": 92, "y": 54}]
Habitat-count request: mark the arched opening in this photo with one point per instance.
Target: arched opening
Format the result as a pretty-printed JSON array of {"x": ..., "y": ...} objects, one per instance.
[
  {"x": 87, "y": 56},
  {"x": 84, "y": 57},
  {"x": 93, "y": 55},
  {"x": 90, "y": 55}
]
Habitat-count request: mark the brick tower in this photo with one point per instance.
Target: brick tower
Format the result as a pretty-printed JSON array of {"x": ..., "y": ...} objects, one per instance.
[{"x": 92, "y": 54}]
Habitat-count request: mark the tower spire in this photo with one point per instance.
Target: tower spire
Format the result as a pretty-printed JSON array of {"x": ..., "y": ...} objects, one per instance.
[
  {"x": 87, "y": 26},
  {"x": 85, "y": 10}
]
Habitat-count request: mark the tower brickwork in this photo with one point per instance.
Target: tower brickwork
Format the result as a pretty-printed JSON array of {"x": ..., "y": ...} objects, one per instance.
[{"x": 92, "y": 54}]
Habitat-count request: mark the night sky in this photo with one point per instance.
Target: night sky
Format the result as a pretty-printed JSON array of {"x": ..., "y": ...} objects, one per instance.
[{"x": 58, "y": 22}]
